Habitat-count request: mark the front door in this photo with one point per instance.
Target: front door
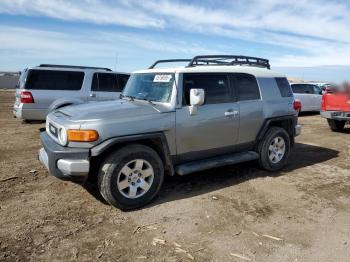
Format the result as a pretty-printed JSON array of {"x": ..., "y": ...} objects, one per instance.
[{"x": 214, "y": 129}]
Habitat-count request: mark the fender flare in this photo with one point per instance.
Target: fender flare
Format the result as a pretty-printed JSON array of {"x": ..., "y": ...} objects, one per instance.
[
  {"x": 65, "y": 101},
  {"x": 265, "y": 126},
  {"x": 107, "y": 144}
]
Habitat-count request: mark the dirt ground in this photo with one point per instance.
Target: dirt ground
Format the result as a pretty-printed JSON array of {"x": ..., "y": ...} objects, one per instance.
[{"x": 236, "y": 213}]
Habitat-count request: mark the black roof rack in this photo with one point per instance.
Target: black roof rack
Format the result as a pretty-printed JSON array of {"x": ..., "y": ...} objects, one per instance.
[
  {"x": 168, "y": 61},
  {"x": 229, "y": 60},
  {"x": 77, "y": 67}
]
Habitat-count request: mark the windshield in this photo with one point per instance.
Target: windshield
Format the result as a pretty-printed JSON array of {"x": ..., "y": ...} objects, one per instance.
[{"x": 150, "y": 86}]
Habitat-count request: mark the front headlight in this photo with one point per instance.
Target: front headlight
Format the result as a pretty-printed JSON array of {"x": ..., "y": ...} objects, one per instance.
[{"x": 62, "y": 136}]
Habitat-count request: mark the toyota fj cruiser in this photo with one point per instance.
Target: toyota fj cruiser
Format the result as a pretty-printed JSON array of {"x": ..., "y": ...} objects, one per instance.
[{"x": 216, "y": 111}]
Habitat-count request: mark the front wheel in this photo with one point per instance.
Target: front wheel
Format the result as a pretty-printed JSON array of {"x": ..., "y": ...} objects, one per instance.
[
  {"x": 131, "y": 176},
  {"x": 336, "y": 125},
  {"x": 274, "y": 149}
]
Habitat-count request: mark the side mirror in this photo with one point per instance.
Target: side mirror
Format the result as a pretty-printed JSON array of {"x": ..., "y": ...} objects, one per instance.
[{"x": 196, "y": 99}]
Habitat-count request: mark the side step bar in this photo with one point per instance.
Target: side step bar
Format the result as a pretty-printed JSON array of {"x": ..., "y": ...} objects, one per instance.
[{"x": 200, "y": 165}]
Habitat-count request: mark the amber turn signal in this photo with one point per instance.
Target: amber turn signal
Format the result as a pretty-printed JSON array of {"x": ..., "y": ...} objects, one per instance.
[{"x": 82, "y": 135}]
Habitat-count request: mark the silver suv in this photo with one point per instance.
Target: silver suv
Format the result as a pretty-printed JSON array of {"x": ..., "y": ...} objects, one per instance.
[
  {"x": 46, "y": 87},
  {"x": 216, "y": 111}
]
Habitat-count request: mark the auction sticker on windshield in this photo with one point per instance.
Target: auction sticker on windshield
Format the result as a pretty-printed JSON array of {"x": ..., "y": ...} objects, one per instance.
[{"x": 162, "y": 78}]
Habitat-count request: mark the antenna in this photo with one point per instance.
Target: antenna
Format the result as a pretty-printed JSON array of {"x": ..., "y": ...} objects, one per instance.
[{"x": 116, "y": 62}]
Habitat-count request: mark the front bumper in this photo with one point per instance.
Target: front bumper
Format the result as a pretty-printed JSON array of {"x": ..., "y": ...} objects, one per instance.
[
  {"x": 297, "y": 130},
  {"x": 337, "y": 115},
  {"x": 63, "y": 162}
]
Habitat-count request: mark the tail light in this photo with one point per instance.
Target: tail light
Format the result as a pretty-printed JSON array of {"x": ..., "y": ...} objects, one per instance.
[
  {"x": 26, "y": 97},
  {"x": 297, "y": 105},
  {"x": 323, "y": 103}
]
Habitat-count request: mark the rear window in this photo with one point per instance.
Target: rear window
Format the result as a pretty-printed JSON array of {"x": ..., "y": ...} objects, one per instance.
[
  {"x": 284, "y": 87},
  {"x": 54, "y": 80}
]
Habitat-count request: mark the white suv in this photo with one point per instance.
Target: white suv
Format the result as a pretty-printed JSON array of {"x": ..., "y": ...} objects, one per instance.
[{"x": 39, "y": 87}]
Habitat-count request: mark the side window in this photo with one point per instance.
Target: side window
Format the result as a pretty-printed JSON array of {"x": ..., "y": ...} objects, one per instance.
[
  {"x": 302, "y": 89},
  {"x": 104, "y": 82},
  {"x": 216, "y": 87},
  {"x": 309, "y": 89},
  {"x": 284, "y": 87},
  {"x": 298, "y": 89},
  {"x": 122, "y": 79},
  {"x": 317, "y": 90},
  {"x": 247, "y": 87}
]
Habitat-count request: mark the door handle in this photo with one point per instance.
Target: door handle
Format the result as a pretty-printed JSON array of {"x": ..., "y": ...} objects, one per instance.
[
  {"x": 92, "y": 95},
  {"x": 231, "y": 113}
]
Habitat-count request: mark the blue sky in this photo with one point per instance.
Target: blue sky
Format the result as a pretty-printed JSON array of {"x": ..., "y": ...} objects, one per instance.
[{"x": 303, "y": 38}]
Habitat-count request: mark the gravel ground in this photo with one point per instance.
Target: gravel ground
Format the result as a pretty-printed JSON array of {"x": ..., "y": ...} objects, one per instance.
[{"x": 235, "y": 213}]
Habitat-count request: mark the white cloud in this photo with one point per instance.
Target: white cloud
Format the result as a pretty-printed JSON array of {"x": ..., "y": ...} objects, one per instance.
[
  {"x": 92, "y": 11},
  {"x": 316, "y": 32},
  {"x": 43, "y": 46}
]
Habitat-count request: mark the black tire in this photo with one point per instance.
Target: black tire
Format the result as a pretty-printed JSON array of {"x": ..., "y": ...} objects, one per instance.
[
  {"x": 112, "y": 165},
  {"x": 336, "y": 125},
  {"x": 263, "y": 149}
]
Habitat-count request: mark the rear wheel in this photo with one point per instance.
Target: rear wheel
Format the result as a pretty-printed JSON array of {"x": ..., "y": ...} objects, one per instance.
[
  {"x": 131, "y": 176},
  {"x": 274, "y": 149},
  {"x": 336, "y": 125}
]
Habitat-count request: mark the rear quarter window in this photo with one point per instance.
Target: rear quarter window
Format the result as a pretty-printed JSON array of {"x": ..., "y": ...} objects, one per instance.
[
  {"x": 284, "y": 87},
  {"x": 54, "y": 80}
]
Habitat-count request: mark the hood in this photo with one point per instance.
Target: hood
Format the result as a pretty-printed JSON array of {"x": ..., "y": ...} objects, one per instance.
[{"x": 110, "y": 109}]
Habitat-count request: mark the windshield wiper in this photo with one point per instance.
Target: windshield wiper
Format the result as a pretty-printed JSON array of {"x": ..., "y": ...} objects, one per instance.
[
  {"x": 130, "y": 97},
  {"x": 150, "y": 101}
]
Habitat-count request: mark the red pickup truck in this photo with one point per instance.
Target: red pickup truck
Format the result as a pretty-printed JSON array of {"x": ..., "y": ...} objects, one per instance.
[{"x": 336, "y": 107}]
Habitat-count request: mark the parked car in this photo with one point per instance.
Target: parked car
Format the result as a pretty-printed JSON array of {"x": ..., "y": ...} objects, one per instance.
[
  {"x": 216, "y": 111},
  {"x": 310, "y": 96},
  {"x": 336, "y": 107},
  {"x": 40, "y": 86},
  {"x": 322, "y": 85}
]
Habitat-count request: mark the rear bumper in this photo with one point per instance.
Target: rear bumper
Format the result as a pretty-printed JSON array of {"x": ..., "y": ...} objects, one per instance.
[
  {"x": 63, "y": 162},
  {"x": 19, "y": 111},
  {"x": 336, "y": 115}
]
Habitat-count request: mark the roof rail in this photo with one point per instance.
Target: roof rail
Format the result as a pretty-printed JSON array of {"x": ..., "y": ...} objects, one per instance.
[
  {"x": 168, "y": 61},
  {"x": 228, "y": 60},
  {"x": 77, "y": 67}
]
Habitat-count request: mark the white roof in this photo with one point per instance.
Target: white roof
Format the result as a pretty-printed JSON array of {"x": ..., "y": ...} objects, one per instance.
[{"x": 256, "y": 71}]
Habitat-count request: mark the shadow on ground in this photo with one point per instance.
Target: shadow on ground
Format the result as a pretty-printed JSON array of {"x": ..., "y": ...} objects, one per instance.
[{"x": 179, "y": 187}]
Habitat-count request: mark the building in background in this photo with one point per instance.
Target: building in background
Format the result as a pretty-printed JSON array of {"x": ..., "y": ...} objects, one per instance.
[{"x": 8, "y": 80}]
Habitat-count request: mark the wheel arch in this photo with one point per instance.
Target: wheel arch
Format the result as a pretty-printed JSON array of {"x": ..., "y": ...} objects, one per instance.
[
  {"x": 156, "y": 141},
  {"x": 287, "y": 122}
]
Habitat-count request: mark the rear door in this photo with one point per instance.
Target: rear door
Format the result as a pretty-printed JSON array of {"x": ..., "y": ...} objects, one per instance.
[
  {"x": 48, "y": 85},
  {"x": 106, "y": 86},
  {"x": 250, "y": 107}
]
